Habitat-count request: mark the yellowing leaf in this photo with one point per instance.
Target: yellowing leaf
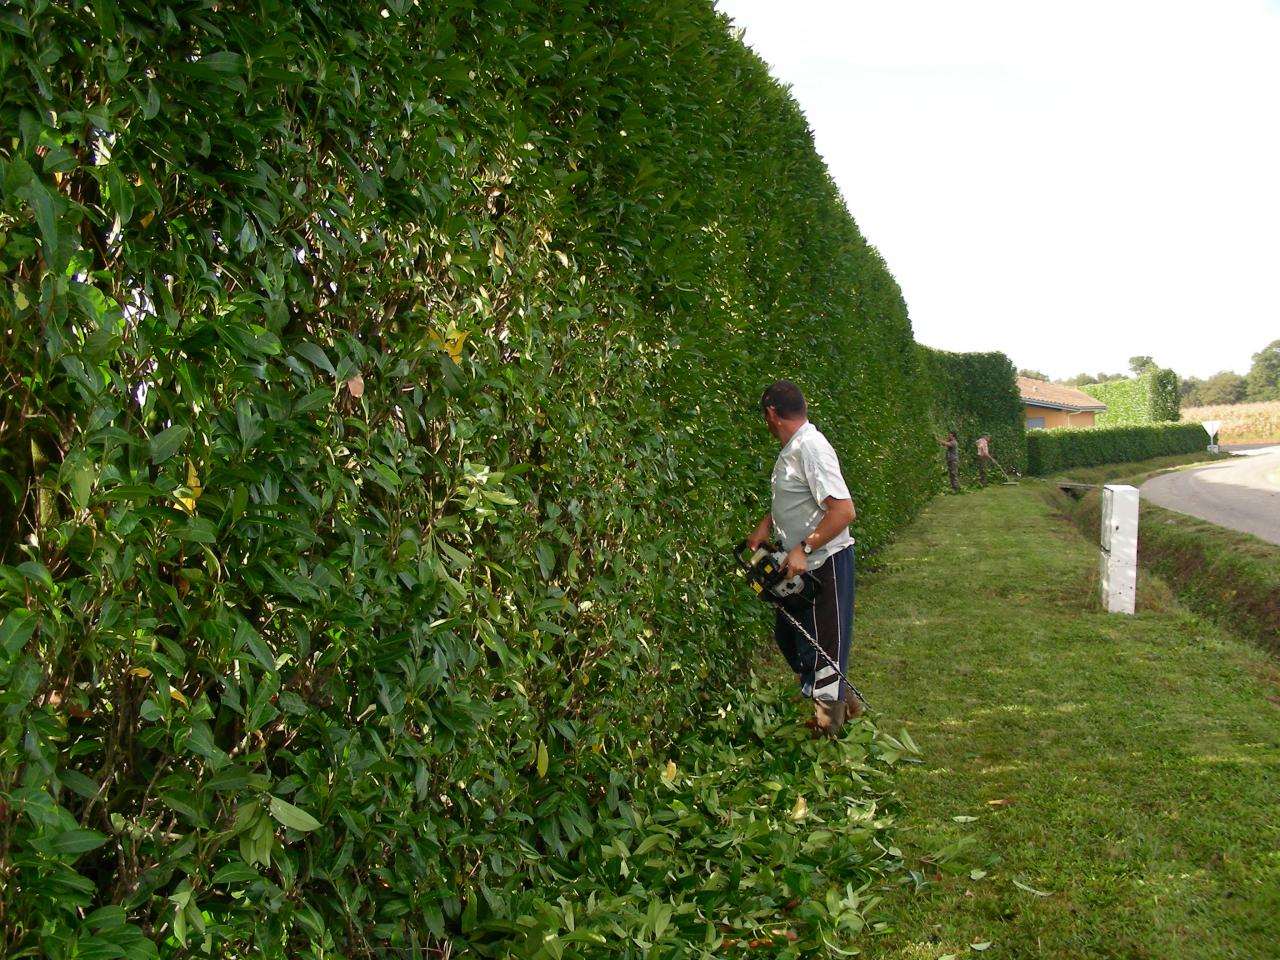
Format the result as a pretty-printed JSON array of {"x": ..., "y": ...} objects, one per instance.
[
  {"x": 544, "y": 759},
  {"x": 146, "y": 221},
  {"x": 142, "y": 672},
  {"x": 800, "y": 810},
  {"x": 451, "y": 343},
  {"x": 669, "y": 772},
  {"x": 196, "y": 488},
  {"x": 498, "y": 250},
  {"x": 180, "y": 697}
]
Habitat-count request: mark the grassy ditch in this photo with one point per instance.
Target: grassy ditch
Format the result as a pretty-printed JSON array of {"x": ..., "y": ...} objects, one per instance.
[
  {"x": 1095, "y": 785},
  {"x": 1231, "y": 577}
]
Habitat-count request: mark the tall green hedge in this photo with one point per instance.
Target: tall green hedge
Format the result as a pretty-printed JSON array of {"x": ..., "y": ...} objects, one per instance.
[
  {"x": 1050, "y": 451},
  {"x": 974, "y": 394},
  {"x": 379, "y": 408},
  {"x": 1151, "y": 397}
]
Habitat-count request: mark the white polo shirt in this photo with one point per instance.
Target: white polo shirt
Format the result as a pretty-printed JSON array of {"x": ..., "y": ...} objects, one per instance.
[{"x": 806, "y": 473}]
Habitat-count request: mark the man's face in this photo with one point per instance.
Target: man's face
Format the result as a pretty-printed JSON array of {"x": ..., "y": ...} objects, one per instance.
[{"x": 772, "y": 421}]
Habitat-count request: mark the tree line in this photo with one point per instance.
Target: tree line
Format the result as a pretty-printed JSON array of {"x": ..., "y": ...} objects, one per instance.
[{"x": 1260, "y": 384}]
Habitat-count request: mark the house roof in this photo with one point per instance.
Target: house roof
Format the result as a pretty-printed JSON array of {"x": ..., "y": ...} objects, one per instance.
[{"x": 1041, "y": 393}]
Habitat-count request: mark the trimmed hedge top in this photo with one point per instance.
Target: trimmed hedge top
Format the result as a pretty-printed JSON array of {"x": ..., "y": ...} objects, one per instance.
[{"x": 1149, "y": 398}]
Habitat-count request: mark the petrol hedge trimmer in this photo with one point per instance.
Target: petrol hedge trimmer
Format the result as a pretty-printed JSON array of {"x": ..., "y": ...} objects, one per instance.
[{"x": 765, "y": 574}]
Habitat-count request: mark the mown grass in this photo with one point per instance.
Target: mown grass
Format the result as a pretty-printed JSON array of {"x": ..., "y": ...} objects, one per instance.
[{"x": 1094, "y": 785}]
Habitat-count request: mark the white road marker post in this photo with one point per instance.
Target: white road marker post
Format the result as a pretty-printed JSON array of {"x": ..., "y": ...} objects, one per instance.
[{"x": 1119, "y": 547}]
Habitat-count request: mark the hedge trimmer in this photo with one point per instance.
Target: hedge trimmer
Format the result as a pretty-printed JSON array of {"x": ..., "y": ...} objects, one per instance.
[
  {"x": 1008, "y": 477},
  {"x": 768, "y": 580}
]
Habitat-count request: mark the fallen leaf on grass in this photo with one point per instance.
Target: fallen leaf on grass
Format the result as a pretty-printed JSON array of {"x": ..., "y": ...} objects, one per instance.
[
  {"x": 980, "y": 946},
  {"x": 999, "y": 803},
  {"x": 964, "y": 819},
  {"x": 1022, "y": 886}
]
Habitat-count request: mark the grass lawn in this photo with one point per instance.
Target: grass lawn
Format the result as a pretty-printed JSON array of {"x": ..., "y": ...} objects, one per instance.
[{"x": 1094, "y": 785}]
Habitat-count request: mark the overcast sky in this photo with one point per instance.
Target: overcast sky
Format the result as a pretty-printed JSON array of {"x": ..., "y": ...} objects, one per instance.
[{"x": 1071, "y": 184}]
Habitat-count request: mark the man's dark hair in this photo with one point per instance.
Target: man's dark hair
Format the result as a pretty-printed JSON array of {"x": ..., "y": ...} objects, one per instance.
[{"x": 785, "y": 398}]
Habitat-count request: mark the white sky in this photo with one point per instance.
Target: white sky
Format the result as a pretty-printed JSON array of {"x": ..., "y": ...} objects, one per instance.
[{"x": 1071, "y": 184}]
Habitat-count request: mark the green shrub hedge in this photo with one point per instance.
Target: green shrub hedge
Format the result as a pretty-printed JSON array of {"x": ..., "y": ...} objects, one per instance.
[
  {"x": 1050, "y": 451},
  {"x": 1149, "y": 398},
  {"x": 380, "y": 407},
  {"x": 975, "y": 394}
]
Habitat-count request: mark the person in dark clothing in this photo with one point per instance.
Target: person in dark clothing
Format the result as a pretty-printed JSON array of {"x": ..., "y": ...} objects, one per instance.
[{"x": 952, "y": 443}]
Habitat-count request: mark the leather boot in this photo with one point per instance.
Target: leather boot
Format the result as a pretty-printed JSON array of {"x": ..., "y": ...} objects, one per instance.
[{"x": 828, "y": 717}]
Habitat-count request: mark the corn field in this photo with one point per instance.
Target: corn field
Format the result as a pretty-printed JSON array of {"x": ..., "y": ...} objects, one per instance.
[{"x": 1241, "y": 422}]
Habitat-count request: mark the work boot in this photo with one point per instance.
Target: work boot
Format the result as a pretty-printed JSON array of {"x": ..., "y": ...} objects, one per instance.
[
  {"x": 854, "y": 707},
  {"x": 828, "y": 717}
]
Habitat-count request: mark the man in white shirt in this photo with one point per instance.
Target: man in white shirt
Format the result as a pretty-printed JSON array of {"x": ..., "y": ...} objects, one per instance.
[{"x": 811, "y": 512}]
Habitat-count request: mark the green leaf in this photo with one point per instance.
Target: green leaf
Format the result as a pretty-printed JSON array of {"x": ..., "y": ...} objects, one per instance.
[
  {"x": 16, "y": 631},
  {"x": 99, "y": 948},
  {"x": 167, "y": 442},
  {"x": 74, "y": 842},
  {"x": 234, "y": 873},
  {"x": 292, "y": 817},
  {"x": 37, "y": 573},
  {"x": 316, "y": 355},
  {"x": 78, "y": 783},
  {"x": 81, "y": 484},
  {"x": 55, "y": 236}
]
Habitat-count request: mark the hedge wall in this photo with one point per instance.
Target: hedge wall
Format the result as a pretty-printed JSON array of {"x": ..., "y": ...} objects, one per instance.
[
  {"x": 1050, "y": 451},
  {"x": 974, "y": 394},
  {"x": 1149, "y": 398},
  {"x": 379, "y": 411}
]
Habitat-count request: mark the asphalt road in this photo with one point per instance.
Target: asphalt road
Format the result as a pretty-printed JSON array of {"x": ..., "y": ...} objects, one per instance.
[{"x": 1242, "y": 493}]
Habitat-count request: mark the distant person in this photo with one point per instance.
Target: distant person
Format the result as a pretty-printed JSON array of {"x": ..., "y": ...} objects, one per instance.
[
  {"x": 984, "y": 457},
  {"x": 811, "y": 510},
  {"x": 953, "y": 459}
]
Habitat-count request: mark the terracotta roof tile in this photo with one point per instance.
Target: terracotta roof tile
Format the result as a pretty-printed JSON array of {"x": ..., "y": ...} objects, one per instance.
[{"x": 1041, "y": 393}]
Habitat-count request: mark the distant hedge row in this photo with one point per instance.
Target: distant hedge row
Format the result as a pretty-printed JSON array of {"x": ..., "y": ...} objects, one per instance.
[
  {"x": 975, "y": 394},
  {"x": 379, "y": 411},
  {"x": 1049, "y": 451},
  {"x": 1151, "y": 397}
]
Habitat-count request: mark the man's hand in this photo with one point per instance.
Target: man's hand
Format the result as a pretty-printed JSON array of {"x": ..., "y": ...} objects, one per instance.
[
  {"x": 796, "y": 562},
  {"x": 761, "y": 533}
]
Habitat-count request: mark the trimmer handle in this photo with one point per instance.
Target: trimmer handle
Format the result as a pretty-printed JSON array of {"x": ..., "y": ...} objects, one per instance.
[{"x": 742, "y": 552}]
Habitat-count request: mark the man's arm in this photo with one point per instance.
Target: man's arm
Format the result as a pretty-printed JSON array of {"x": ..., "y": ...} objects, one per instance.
[
  {"x": 761, "y": 533},
  {"x": 839, "y": 514}
]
